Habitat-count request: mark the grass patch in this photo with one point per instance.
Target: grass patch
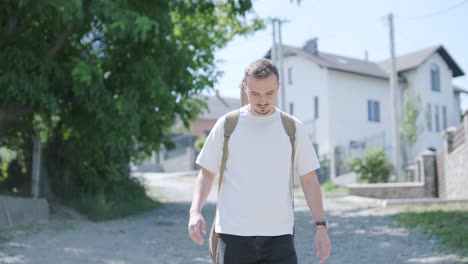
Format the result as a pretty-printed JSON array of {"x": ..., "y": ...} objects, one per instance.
[
  {"x": 129, "y": 198},
  {"x": 3, "y": 239},
  {"x": 98, "y": 208},
  {"x": 327, "y": 188},
  {"x": 155, "y": 193},
  {"x": 187, "y": 178},
  {"x": 330, "y": 188},
  {"x": 448, "y": 222},
  {"x": 350, "y": 203},
  {"x": 65, "y": 226},
  {"x": 298, "y": 193}
]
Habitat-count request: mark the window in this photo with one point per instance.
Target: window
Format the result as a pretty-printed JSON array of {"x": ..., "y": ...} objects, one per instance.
[
  {"x": 435, "y": 78},
  {"x": 437, "y": 126},
  {"x": 291, "y": 108},
  {"x": 429, "y": 117},
  {"x": 373, "y": 111},
  {"x": 444, "y": 117},
  {"x": 289, "y": 75},
  {"x": 316, "y": 107}
]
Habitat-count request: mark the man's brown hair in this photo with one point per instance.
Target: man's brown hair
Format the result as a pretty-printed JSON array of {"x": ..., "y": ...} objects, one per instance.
[{"x": 260, "y": 69}]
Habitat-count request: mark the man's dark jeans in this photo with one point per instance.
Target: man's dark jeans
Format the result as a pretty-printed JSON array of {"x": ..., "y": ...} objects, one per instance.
[{"x": 256, "y": 249}]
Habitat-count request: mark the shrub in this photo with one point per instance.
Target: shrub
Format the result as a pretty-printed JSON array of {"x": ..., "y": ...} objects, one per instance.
[
  {"x": 6, "y": 156},
  {"x": 373, "y": 167},
  {"x": 199, "y": 142}
]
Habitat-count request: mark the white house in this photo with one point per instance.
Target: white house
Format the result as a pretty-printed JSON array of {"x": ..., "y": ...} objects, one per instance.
[{"x": 345, "y": 102}]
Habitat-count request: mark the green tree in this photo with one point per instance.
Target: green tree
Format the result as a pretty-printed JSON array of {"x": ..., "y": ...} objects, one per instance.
[
  {"x": 410, "y": 130},
  {"x": 103, "y": 81}
]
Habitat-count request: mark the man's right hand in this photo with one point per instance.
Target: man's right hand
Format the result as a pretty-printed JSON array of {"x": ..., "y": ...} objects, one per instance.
[{"x": 196, "y": 223}]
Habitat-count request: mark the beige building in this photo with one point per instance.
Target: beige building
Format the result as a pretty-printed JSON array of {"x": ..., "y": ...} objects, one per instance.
[
  {"x": 217, "y": 107},
  {"x": 182, "y": 157}
]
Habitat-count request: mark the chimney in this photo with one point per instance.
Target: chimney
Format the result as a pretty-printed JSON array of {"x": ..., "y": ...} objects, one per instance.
[
  {"x": 311, "y": 46},
  {"x": 366, "y": 55}
]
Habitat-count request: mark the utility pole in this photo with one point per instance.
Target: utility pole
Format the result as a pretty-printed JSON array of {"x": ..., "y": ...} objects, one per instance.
[
  {"x": 274, "y": 50},
  {"x": 281, "y": 64},
  {"x": 395, "y": 102},
  {"x": 36, "y": 167},
  {"x": 278, "y": 58}
]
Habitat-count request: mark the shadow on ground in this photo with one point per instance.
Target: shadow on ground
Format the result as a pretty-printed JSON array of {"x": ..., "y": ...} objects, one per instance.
[{"x": 160, "y": 236}]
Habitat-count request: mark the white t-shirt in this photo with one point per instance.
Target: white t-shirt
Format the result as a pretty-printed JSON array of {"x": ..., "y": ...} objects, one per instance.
[{"x": 255, "y": 196}]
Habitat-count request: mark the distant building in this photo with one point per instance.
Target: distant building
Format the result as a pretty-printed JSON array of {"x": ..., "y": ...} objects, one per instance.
[
  {"x": 217, "y": 107},
  {"x": 345, "y": 102},
  {"x": 182, "y": 157}
]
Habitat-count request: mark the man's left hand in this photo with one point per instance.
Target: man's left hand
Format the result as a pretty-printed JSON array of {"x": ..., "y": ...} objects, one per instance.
[{"x": 322, "y": 243}]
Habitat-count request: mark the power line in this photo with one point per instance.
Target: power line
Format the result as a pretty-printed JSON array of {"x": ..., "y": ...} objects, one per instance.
[
  {"x": 442, "y": 11},
  {"x": 306, "y": 11},
  {"x": 351, "y": 29}
]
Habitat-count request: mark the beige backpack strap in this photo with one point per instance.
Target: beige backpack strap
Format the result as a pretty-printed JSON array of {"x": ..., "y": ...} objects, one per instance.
[
  {"x": 289, "y": 126},
  {"x": 229, "y": 126}
]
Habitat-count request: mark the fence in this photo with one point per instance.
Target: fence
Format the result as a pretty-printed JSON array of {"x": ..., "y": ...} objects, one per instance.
[
  {"x": 179, "y": 158},
  {"x": 453, "y": 178},
  {"x": 458, "y": 137}
]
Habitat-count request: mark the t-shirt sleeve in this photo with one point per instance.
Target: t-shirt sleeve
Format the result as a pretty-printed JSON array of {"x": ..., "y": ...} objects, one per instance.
[
  {"x": 212, "y": 151},
  {"x": 305, "y": 158}
]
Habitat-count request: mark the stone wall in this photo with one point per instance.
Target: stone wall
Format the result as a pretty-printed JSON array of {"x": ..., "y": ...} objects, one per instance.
[
  {"x": 455, "y": 175},
  {"x": 184, "y": 162},
  {"x": 423, "y": 176},
  {"x": 428, "y": 173},
  {"x": 17, "y": 211},
  {"x": 401, "y": 190}
]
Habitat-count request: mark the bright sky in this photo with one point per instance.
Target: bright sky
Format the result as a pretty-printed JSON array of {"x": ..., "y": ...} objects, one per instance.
[{"x": 350, "y": 28}]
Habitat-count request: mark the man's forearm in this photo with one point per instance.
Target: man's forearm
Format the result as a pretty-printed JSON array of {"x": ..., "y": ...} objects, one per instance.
[
  {"x": 313, "y": 194},
  {"x": 202, "y": 189}
]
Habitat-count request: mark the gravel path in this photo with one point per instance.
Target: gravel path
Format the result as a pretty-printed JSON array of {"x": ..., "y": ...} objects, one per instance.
[{"x": 359, "y": 234}]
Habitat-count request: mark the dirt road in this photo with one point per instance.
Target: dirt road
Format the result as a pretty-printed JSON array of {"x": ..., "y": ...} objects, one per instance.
[{"x": 359, "y": 234}]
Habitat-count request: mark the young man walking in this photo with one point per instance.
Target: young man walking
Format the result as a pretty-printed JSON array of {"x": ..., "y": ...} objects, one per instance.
[{"x": 255, "y": 215}]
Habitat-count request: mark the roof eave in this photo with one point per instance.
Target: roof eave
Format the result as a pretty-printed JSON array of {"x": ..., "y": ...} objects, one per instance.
[
  {"x": 358, "y": 73},
  {"x": 456, "y": 70},
  {"x": 459, "y": 90}
]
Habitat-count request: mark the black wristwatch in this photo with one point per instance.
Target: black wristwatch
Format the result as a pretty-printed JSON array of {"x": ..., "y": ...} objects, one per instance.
[{"x": 321, "y": 222}]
